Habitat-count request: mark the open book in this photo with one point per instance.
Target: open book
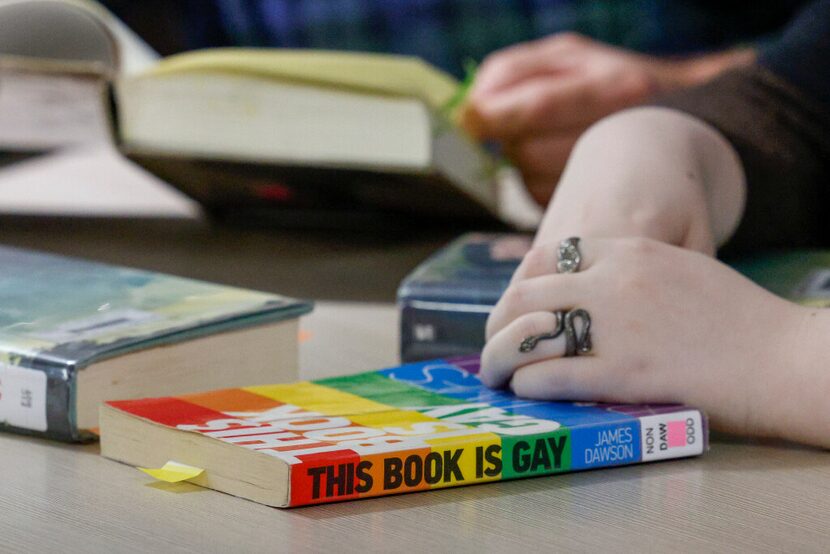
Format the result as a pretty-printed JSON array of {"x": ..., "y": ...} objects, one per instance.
[{"x": 257, "y": 131}]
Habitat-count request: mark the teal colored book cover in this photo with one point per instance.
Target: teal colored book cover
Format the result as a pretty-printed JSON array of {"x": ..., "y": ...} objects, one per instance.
[{"x": 59, "y": 315}]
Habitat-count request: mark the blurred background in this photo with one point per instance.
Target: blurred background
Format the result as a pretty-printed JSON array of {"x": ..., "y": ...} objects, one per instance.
[
  {"x": 94, "y": 204},
  {"x": 448, "y": 32}
]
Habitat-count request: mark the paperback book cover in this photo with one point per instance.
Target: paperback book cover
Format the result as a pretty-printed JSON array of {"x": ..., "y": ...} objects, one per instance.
[
  {"x": 445, "y": 301},
  {"x": 410, "y": 428},
  {"x": 60, "y": 315}
]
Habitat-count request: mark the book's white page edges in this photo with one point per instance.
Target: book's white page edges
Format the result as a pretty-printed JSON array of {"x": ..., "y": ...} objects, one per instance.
[
  {"x": 236, "y": 117},
  {"x": 76, "y": 30},
  {"x": 44, "y": 110},
  {"x": 516, "y": 206},
  {"x": 466, "y": 164}
]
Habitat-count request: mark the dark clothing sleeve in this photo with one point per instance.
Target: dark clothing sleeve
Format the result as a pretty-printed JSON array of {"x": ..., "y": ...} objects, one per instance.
[
  {"x": 776, "y": 114},
  {"x": 802, "y": 54}
]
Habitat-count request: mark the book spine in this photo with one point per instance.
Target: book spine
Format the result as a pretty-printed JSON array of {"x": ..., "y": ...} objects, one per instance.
[
  {"x": 490, "y": 457},
  {"x": 655, "y": 436},
  {"x": 38, "y": 400},
  {"x": 431, "y": 330}
]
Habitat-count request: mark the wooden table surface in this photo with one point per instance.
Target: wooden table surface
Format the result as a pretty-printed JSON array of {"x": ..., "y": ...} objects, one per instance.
[{"x": 740, "y": 496}]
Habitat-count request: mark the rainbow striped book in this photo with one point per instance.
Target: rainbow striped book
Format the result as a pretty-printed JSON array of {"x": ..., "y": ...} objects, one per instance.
[{"x": 410, "y": 428}]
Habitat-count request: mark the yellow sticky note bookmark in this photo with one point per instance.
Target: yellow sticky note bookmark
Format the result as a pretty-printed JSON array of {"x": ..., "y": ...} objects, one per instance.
[{"x": 173, "y": 472}]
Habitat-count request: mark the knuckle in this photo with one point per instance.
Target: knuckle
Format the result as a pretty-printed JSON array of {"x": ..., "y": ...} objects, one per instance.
[
  {"x": 504, "y": 62},
  {"x": 568, "y": 38},
  {"x": 630, "y": 268},
  {"x": 491, "y": 63},
  {"x": 647, "y": 220},
  {"x": 490, "y": 327},
  {"x": 637, "y": 247},
  {"x": 631, "y": 278},
  {"x": 536, "y": 262},
  {"x": 534, "y": 324},
  {"x": 515, "y": 295},
  {"x": 496, "y": 66},
  {"x": 494, "y": 319},
  {"x": 487, "y": 361}
]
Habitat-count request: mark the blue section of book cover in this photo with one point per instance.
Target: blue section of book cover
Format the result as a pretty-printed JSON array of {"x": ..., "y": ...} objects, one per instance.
[
  {"x": 447, "y": 378},
  {"x": 614, "y": 444}
]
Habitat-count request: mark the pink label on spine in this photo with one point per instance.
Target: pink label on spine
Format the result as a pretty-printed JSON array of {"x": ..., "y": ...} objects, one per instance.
[{"x": 676, "y": 433}]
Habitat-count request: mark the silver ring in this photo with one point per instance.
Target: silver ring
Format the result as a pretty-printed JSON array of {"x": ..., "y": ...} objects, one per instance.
[
  {"x": 568, "y": 256},
  {"x": 529, "y": 343},
  {"x": 577, "y": 342}
]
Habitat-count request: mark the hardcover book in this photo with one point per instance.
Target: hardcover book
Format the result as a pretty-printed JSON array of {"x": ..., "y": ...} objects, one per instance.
[
  {"x": 74, "y": 333},
  {"x": 410, "y": 428},
  {"x": 247, "y": 130},
  {"x": 445, "y": 301}
]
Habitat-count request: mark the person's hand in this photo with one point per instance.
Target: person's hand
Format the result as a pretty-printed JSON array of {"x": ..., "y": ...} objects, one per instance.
[
  {"x": 668, "y": 325},
  {"x": 614, "y": 190},
  {"x": 537, "y": 98},
  {"x": 649, "y": 172}
]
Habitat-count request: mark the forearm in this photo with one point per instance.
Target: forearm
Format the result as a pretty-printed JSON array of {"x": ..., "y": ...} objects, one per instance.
[
  {"x": 675, "y": 177},
  {"x": 798, "y": 385}
]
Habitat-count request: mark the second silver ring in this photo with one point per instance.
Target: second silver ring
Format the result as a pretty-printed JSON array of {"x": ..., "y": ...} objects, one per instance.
[{"x": 569, "y": 258}]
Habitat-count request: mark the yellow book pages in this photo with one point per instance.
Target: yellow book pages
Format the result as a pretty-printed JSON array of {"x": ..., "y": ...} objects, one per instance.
[{"x": 371, "y": 73}]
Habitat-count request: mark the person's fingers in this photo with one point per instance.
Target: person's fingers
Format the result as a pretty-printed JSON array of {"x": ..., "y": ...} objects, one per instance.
[
  {"x": 501, "y": 355},
  {"x": 522, "y": 61},
  {"x": 542, "y": 259},
  {"x": 542, "y": 156},
  {"x": 508, "y": 67},
  {"x": 472, "y": 121},
  {"x": 541, "y": 105},
  {"x": 575, "y": 378},
  {"x": 547, "y": 293}
]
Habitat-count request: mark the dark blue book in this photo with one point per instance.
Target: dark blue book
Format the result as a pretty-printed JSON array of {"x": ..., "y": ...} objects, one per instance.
[
  {"x": 75, "y": 333},
  {"x": 445, "y": 302}
]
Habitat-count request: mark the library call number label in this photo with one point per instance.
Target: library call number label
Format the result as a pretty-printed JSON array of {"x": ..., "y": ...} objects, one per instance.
[{"x": 22, "y": 397}]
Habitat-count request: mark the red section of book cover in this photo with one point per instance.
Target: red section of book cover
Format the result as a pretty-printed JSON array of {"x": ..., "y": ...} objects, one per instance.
[
  {"x": 168, "y": 411},
  {"x": 326, "y": 477}
]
